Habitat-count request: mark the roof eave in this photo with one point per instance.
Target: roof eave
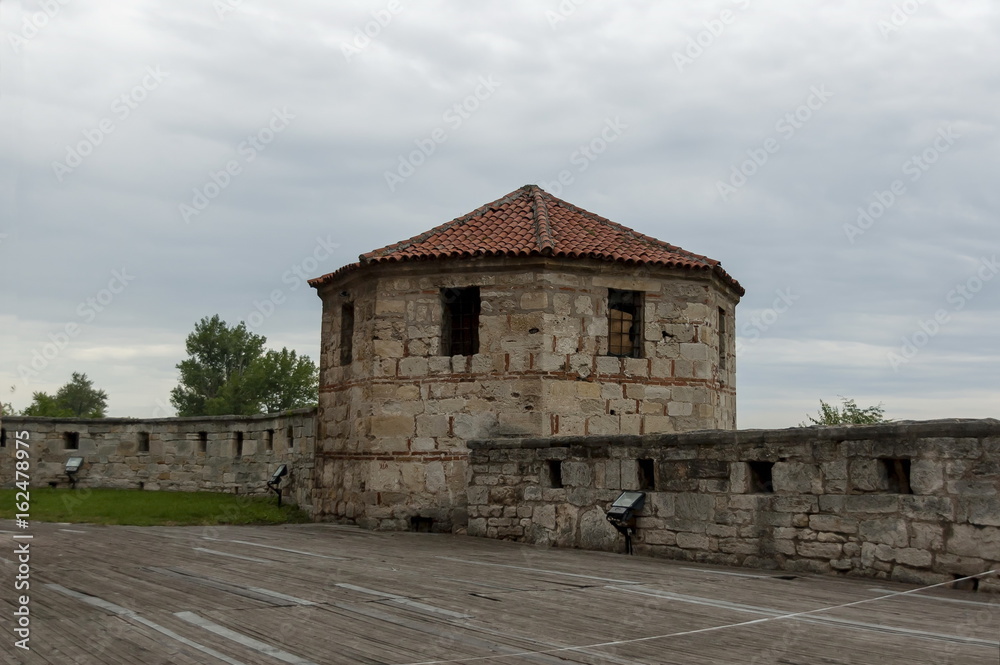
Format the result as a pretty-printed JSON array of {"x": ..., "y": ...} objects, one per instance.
[{"x": 714, "y": 267}]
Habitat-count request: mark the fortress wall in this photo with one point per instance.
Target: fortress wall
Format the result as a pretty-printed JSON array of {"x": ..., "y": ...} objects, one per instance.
[
  {"x": 911, "y": 501},
  {"x": 184, "y": 454}
]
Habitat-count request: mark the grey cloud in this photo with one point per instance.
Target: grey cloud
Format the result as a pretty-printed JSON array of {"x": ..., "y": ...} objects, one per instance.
[{"x": 325, "y": 173}]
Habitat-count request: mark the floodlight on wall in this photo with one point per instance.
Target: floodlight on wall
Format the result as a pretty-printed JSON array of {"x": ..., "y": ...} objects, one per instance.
[
  {"x": 73, "y": 465},
  {"x": 275, "y": 480},
  {"x": 622, "y": 512}
]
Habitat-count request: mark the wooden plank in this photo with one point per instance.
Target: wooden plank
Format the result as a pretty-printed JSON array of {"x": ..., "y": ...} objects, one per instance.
[{"x": 332, "y": 594}]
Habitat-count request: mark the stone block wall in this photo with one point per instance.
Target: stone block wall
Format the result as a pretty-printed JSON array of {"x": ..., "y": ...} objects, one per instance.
[
  {"x": 396, "y": 419},
  {"x": 185, "y": 454},
  {"x": 914, "y": 502}
]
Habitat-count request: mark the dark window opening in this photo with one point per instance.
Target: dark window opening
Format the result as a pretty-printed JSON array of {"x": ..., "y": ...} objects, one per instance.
[
  {"x": 647, "y": 474},
  {"x": 238, "y": 441},
  {"x": 143, "y": 442},
  {"x": 71, "y": 440},
  {"x": 289, "y": 437},
  {"x": 624, "y": 323},
  {"x": 555, "y": 473},
  {"x": 897, "y": 473},
  {"x": 3, "y": 437},
  {"x": 460, "y": 328},
  {"x": 965, "y": 584},
  {"x": 760, "y": 477},
  {"x": 347, "y": 333},
  {"x": 269, "y": 440},
  {"x": 202, "y": 442},
  {"x": 723, "y": 331},
  {"x": 421, "y": 524}
]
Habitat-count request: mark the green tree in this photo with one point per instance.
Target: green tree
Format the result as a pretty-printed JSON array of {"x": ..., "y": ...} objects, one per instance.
[
  {"x": 76, "y": 399},
  {"x": 228, "y": 372},
  {"x": 7, "y": 409},
  {"x": 298, "y": 385},
  {"x": 46, "y": 406},
  {"x": 217, "y": 354},
  {"x": 849, "y": 414}
]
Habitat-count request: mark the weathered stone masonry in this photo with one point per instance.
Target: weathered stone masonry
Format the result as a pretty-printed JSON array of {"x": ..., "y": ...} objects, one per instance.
[
  {"x": 396, "y": 418},
  {"x": 528, "y": 316},
  {"x": 838, "y": 501},
  {"x": 218, "y": 453}
]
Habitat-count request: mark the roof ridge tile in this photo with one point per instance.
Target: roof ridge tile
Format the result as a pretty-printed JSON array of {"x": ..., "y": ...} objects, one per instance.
[{"x": 543, "y": 227}]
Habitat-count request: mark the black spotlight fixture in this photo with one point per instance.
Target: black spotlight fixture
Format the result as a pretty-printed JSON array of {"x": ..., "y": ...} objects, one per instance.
[
  {"x": 275, "y": 480},
  {"x": 622, "y": 515},
  {"x": 73, "y": 465}
]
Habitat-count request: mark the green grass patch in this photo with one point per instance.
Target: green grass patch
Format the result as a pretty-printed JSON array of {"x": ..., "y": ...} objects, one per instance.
[{"x": 145, "y": 508}]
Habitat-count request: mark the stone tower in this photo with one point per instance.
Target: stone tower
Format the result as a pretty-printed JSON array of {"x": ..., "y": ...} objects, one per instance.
[{"x": 528, "y": 316}]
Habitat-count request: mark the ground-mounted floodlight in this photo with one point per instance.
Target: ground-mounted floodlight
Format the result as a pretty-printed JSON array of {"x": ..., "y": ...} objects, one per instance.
[
  {"x": 622, "y": 512},
  {"x": 275, "y": 480},
  {"x": 73, "y": 465}
]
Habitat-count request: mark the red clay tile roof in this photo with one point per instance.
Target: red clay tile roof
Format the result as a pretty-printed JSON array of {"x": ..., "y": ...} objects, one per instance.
[{"x": 532, "y": 222}]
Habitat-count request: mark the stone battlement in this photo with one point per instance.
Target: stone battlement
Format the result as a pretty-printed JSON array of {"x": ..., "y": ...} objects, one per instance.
[
  {"x": 210, "y": 453},
  {"x": 911, "y": 501}
]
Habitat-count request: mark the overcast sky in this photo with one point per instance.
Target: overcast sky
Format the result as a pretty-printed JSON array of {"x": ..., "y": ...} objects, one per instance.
[{"x": 165, "y": 161}]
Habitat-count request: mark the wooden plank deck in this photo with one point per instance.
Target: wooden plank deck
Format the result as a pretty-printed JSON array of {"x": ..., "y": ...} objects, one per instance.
[{"x": 329, "y": 594}]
